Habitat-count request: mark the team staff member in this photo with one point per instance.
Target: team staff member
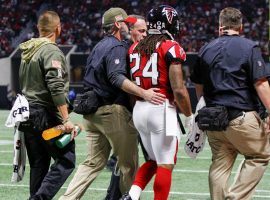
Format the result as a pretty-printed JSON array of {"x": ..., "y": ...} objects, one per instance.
[
  {"x": 45, "y": 84},
  {"x": 228, "y": 71},
  {"x": 156, "y": 62},
  {"x": 111, "y": 126},
  {"x": 138, "y": 31}
]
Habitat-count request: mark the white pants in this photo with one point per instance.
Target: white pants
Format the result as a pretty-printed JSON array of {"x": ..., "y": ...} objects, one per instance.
[{"x": 150, "y": 121}]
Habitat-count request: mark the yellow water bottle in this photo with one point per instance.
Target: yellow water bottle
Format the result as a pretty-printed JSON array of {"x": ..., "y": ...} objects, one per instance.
[{"x": 53, "y": 132}]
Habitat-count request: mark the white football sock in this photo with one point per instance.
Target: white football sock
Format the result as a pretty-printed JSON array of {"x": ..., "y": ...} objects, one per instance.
[{"x": 135, "y": 192}]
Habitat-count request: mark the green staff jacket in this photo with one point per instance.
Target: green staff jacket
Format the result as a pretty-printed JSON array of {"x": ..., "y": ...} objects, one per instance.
[{"x": 43, "y": 73}]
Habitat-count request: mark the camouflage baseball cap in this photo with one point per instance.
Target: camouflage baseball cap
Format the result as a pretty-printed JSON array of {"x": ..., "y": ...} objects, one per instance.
[{"x": 116, "y": 15}]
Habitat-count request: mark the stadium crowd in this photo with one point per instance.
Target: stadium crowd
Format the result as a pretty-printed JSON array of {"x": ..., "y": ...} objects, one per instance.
[
  {"x": 81, "y": 20},
  {"x": 14, "y": 15}
]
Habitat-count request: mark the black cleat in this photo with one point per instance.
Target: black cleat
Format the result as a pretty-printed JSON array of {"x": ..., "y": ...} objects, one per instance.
[
  {"x": 113, "y": 191},
  {"x": 125, "y": 197},
  {"x": 111, "y": 163}
]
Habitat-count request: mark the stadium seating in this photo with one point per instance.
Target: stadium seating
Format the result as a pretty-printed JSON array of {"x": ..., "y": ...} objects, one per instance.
[
  {"x": 14, "y": 15},
  {"x": 81, "y": 20}
]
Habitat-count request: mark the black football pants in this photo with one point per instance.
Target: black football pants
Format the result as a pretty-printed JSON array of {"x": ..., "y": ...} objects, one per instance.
[{"x": 45, "y": 183}]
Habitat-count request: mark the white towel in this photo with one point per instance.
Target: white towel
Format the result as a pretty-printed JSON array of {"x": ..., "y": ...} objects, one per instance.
[
  {"x": 19, "y": 112},
  {"x": 19, "y": 158},
  {"x": 171, "y": 123},
  {"x": 196, "y": 137}
]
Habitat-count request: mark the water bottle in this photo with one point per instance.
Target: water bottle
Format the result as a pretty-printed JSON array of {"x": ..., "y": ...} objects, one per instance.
[
  {"x": 53, "y": 132},
  {"x": 65, "y": 139}
]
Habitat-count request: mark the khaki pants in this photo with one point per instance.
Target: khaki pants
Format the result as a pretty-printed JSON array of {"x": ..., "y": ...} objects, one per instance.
[
  {"x": 111, "y": 127},
  {"x": 246, "y": 137}
]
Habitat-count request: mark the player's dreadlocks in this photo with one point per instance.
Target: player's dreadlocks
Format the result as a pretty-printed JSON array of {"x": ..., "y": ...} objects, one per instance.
[{"x": 148, "y": 44}]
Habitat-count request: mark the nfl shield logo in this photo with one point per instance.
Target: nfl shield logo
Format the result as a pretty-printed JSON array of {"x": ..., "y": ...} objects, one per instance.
[{"x": 117, "y": 61}]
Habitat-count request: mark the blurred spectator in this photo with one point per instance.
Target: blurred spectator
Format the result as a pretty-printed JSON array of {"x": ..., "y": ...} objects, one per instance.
[
  {"x": 81, "y": 20},
  {"x": 199, "y": 21},
  {"x": 14, "y": 16}
]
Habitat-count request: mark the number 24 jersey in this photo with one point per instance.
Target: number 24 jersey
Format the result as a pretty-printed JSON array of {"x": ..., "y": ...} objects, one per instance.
[{"x": 152, "y": 71}]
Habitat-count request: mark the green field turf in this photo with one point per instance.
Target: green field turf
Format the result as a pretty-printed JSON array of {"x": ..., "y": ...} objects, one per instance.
[{"x": 190, "y": 177}]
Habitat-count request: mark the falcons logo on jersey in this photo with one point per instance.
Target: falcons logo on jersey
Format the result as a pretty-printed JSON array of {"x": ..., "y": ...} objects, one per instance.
[{"x": 170, "y": 13}]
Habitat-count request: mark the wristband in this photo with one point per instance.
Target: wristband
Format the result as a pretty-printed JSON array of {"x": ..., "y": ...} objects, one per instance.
[{"x": 189, "y": 121}]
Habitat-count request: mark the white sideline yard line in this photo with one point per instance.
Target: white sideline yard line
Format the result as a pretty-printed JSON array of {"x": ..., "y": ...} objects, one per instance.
[
  {"x": 262, "y": 191},
  {"x": 10, "y": 142},
  {"x": 203, "y": 171},
  {"x": 179, "y": 156},
  {"x": 6, "y": 142},
  {"x": 141, "y": 156},
  {"x": 146, "y": 191},
  {"x": 175, "y": 170}
]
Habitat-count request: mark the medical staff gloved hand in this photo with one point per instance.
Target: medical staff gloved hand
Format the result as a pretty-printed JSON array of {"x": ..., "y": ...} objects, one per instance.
[{"x": 189, "y": 121}]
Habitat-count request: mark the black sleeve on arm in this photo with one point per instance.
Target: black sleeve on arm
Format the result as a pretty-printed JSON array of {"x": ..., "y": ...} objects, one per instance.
[
  {"x": 170, "y": 59},
  {"x": 257, "y": 66},
  {"x": 116, "y": 66},
  {"x": 196, "y": 73}
]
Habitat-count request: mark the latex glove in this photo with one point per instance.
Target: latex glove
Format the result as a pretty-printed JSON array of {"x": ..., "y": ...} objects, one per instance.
[{"x": 189, "y": 121}]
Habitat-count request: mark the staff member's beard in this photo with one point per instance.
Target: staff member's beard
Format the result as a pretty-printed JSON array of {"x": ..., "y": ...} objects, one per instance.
[{"x": 125, "y": 35}]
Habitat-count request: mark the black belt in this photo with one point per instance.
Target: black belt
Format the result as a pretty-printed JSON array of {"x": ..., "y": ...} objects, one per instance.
[
  {"x": 105, "y": 101},
  {"x": 233, "y": 113}
]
